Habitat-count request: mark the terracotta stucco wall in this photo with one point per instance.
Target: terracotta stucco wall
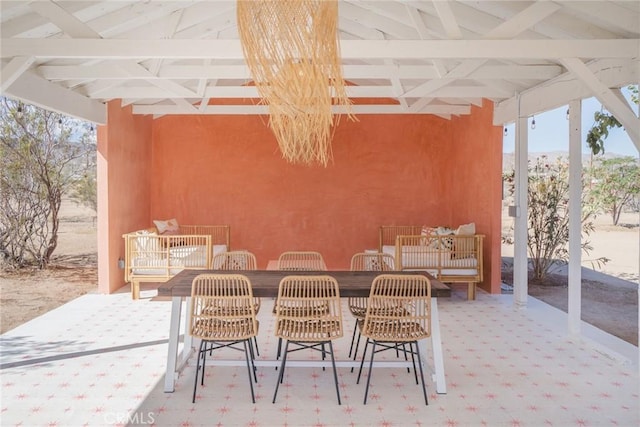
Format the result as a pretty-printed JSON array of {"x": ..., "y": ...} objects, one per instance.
[
  {"x": 476, "y": 191},
  {"x": 403, "y": 169},
  {"x": 227, "y": 170},
  {"x": 124, "y": 179}
]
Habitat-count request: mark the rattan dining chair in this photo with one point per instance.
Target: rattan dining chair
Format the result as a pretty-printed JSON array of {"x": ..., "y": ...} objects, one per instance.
[
  {"x": 301, "y": 261},
  {"x": 298, "y": 261},
  {"x": 300, "y": 323},
  {"x": 239, "y": 260},
  {"x": 388, "y": 328},
  {"x": 232, "y": 324},
  {"x": 365, "y": 261}
]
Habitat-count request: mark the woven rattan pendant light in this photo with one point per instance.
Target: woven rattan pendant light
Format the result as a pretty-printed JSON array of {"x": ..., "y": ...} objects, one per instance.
[{"x": 291, "y": 48}]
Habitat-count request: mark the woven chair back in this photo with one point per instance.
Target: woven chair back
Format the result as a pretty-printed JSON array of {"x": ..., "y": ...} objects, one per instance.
[
  {"x": 301, "y": 261},
  {"x": 399, "y": 308},
  {"x": 366, "y": 261},
  {"x": 235, "y": 260},
  {"x": 372, "y": 261},
  {"x": 222, "y": 308},
  {"x": 308, "y": 309}
]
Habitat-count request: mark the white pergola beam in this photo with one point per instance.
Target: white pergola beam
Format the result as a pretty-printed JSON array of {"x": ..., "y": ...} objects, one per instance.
[
  {"x": 620, "y": 109},
  {"x": 239, "y": 92},
  {"x": 448, "y": 19},
  {"x": 393, "y": 27},
  {"x": 566, "y": 87},
  {"x": 35, "y": 90},
  {"x": 13, "y": 70},
  {"x": 64, "y": 20},
  {"x": 461, "y": 71},
  {"x": 263, "y": 109},
  {"x": 114, "y": 71},
  {"x": 166, "y": 85},
  {"x": 524, "y": 20},
  {"x": 609, "y": 13},
  {"x": 351, "y": 49}
]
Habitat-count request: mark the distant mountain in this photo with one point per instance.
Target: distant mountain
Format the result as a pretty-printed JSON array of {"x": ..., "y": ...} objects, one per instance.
[{"x": 508, "y": 159}]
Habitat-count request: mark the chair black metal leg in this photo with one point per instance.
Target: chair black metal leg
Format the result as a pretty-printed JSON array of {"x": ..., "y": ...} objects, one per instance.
[
  {"x": 424, "y": 388},
  {"x": 252, "y": 359},
  {"x": 195, "y": 383},
  {"x": 324, "y": 355},
  {"x": 281, "y": 373},
  {"x": 357, "y": 345},
  {"x": 335, "y": 372},
  {"x": 404, "y": 350},
  {"x": 364, "y": 353},
  {"x": 373, "y": 352},
  {"x": 413, "y": 359},
  {"x": 204, "y": 359},
  {"x": 255, "y": 340},
  {"x": 353, "y": 338},
  {"x": 249, "y": 364},
  {"x": 279, "y": 349}
]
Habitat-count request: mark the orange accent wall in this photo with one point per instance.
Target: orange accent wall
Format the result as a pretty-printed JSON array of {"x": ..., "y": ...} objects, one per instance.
[
  {"x": 387, "y": 169},
  {"x": 476, "y": 185},
  {"x": 124, "y": 179}
]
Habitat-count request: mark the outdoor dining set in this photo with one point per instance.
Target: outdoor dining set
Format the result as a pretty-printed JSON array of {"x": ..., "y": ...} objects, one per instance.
[{"x": 392, "y": 310}]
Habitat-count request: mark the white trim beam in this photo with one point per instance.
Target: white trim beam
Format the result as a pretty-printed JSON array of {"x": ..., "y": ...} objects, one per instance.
[
  {"x": 461, "y": 71},
  {"x": 166, "y": 85},
  {"x": 608, "y": 13},
  {"x": 165, "y": 109},
  {"x": 113, "y": 71},
  {"x": 566, "y": 87},
  {"x": 524, "y": 20},
  {"x": 620, "y": 109},
  {"x": 62, "y": 19},
  {"x": 35, "y": 90},
  {"x": 350, "y": 49},
  {"x": 237, "y": 92},
  {"x": 13, "y": 70},
  {"x": 448, "y": 19}
]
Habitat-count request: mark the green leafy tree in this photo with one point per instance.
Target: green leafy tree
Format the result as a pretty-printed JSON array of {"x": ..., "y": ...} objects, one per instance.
[
  {"x": 41, "y": 156},
  {"x": 548, "y": 215},
  {"x": 603, "y": 122},
  {"x": 615, "y": 185}
]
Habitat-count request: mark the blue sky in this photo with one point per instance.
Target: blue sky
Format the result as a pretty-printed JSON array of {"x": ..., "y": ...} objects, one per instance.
[{"x": 552, "y": 132}]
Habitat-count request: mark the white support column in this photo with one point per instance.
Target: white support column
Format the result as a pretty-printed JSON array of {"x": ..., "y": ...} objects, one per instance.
[
  {"x": 520, "y": 260},
  {"x": 575, "y": 216},
  {"x": 638, "y": 148}
]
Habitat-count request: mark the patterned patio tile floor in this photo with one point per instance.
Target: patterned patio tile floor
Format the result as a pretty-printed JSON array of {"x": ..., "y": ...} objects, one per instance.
[{"x": 100, "y": 359}]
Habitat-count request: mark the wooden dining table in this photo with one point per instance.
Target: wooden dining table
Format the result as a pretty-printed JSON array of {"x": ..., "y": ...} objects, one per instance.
[{"x": 265, "y": 284}]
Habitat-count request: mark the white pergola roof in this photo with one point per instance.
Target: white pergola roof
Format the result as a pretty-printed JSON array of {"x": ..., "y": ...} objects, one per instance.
[{"x": 432, "y": 56}]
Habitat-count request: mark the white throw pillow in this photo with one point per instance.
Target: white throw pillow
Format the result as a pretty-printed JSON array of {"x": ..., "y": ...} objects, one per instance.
[{"x": 466, "y": 229}]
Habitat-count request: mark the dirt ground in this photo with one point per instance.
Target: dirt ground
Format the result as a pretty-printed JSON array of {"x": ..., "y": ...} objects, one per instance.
[
  {"x": 25, "y": 295},
  {"x": 610, "y": 299},
  {"x": 609, "y": 292}
]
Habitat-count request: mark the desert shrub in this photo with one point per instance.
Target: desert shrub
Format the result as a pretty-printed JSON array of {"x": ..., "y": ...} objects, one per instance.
[
  {"x": 41, "y": 159},
  {"x": 615, "y": 185},
  {"x": 548, "y": 215}
]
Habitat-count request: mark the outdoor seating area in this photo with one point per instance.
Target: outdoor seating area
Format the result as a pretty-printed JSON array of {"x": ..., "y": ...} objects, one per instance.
[
  {"x": 316, "y": 130},
  {"x": 76, "y": 365},
  {"x": 159, "y": 253},
  {"x": 453, "y": 256}
]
